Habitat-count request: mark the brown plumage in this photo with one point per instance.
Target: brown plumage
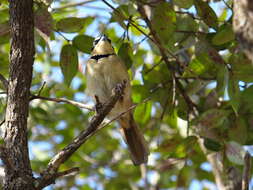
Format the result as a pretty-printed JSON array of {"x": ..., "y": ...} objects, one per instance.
[{"x": 103, "y": 71}]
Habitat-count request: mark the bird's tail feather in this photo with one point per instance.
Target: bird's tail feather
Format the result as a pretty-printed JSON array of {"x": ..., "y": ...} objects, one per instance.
[{"x": 134, "y": 139}]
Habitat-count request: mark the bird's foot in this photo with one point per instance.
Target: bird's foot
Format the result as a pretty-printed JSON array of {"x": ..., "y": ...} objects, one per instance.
[
  {"x": 119, "y": 89},
  {"x": 98, "y": 105}
]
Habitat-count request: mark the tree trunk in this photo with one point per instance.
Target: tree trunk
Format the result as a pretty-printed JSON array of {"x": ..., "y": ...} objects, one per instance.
[
  {"x": 18, "y": 172},
  {"x": 242, "y": 24}
]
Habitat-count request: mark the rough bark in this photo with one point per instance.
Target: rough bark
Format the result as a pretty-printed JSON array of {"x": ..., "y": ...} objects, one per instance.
[
  {"x": 242, "y": 24},
  {"x": 18, "y": 172}
]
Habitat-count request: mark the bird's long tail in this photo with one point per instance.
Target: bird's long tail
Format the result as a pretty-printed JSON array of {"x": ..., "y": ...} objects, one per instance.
[{"x": 134, "y": 139}]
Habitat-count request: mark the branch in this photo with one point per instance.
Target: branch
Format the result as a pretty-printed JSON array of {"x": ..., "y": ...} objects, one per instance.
[
  {"x": 164, "y": 52},
  {"x": 49, "y": 175},
  {"x": 71, "y": 171},
  {"x": 123, "y": 113},
  {"x": 63, "y": 100},
  {"x": 246, "y": 172}
]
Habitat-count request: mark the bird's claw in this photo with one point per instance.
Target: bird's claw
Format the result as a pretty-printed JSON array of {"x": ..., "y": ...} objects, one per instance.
[
  {"x": 98, "y": 105},
  {"x": 119, "y": 89}
]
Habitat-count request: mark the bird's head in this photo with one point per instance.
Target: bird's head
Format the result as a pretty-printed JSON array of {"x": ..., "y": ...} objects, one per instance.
[{"x": 102, "y": 45}]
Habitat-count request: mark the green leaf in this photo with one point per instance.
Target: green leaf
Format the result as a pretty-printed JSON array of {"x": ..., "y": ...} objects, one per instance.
[
  {"x": 71, "y": 24},
  {"x": 213, "y": 118},
  {"x": 185, "y": 4},
  {"x": 211, "y": 144},
  {"x": 242, "y": 67},
  {"x": 223, "y": 15},
  {"x": 121, "y": 1},
  {"x": 140, "y": 92},
  {"x": 68, "y": 62},
  {"x": 126, "y": 54},
  {"x": 234, "y": 93},
  {"x": 222, "y": 79},
  {"x": 184, "y": 23},
  {"x": 235, "y": 153},
  {"x": 246, "y": 103},
  {"x": 83, "y": 43},
  {"x": 43, "y": 22},
  {"x": 173, "y": 119},
  {"x": 120, "y": 14},
  {"x": 194, "y": 87},
  {"x": 142, "y": 112},
  {"x": 196, "y": 67},
  {"x": 164, "y": 13},
  {"x": 206, "y": 13},
  {"x": 223, "y": 36},
  {"x": 238, "y": 131}
]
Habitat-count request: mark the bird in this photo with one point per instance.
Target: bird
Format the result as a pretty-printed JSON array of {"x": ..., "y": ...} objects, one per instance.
[{"x": 104, "y": 70}]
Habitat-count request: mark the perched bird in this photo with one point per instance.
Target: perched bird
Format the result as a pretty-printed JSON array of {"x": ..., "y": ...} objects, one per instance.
[{"x": 104, "y": 70}]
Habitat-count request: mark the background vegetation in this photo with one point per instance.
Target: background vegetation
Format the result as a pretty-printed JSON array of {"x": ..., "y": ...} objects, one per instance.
[{"x": 190, "y": 81}]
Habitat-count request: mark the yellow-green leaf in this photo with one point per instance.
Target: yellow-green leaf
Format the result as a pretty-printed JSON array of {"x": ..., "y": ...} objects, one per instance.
[
  {"x": 223, "y": 36},
  {"x": 68, "y": 62},
  {"x": 83, "y": 43},
  {"x": 71, "y": 24},
  {"x": 206, "y": 13},
  {"x": 126, "y": 54},
  {"x": 164, "y": 21}
]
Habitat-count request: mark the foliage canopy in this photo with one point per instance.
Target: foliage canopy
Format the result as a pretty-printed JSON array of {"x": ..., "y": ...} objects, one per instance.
[{"x": 182, "y": 55}]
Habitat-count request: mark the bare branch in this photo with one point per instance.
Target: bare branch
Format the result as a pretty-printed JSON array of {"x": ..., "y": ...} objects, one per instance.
[
  {"x": 41, "y": 88},
  {"x": 63, "y": 100},
  {"x": 71, "y": 171},
  {"x": 246, "y": 172},
  {"x": 49, "y": 175}
]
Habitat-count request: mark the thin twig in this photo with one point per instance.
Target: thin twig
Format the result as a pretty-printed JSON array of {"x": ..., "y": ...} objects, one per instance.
[
  {"x": 63, "y": 100},
  {"x": 246, "y": 172},
  {"x": 123, "y": 113},
  {"x": 153, "y": 66},
  {"x": 41, "y": 88},
  {"x": 73, "y": 5},
  {"x": 68, "y": 172},
  {"x": 190, "y": 32},
  {"x": 190, "y": 14},
  {"x": 228, "y": 6},
  {"x": 130, "y": 21},
  {"x": 63, "y": 36},
  {"x": 164, "y": 52},
  {"x": 2, "y": 122},
  {"x": 165, "y": 108},
  {"x": 156, "y": 40},
  {"x": 49, "y": 175}
]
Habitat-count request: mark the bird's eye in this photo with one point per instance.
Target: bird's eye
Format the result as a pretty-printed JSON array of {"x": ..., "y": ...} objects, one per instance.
[
  {"x": 109, "y": 40},
  {"x": 95, "y": 42}
]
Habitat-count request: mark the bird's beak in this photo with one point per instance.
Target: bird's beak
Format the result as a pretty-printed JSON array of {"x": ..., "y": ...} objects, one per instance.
[{"x": 104, "y": 38}]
